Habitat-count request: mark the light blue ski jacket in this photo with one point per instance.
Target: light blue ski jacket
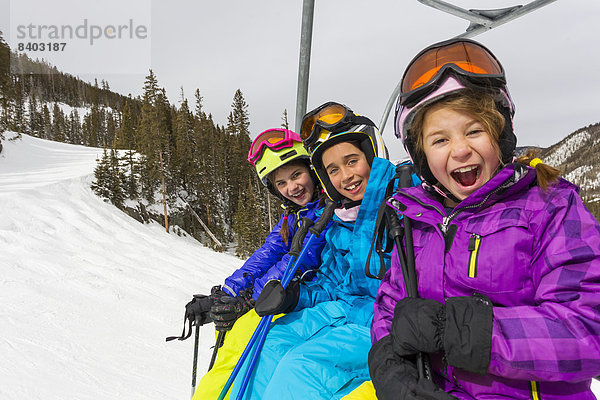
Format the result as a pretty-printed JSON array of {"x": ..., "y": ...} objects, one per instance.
[{"x": 320, "y": 350}]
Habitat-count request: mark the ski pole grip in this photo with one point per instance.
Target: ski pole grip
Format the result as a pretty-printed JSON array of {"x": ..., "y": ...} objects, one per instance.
[
  {"x": 317, "y": 229},
  {"x": 406, "y": 172},
  {"x": 395, "y": 229},
  {"x": 298, "y": 239}
]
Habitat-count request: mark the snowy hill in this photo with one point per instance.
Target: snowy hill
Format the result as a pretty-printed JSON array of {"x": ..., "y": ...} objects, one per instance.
[
  {"x": 578, "y": 157},
  {"x": 87, "y": 294}
]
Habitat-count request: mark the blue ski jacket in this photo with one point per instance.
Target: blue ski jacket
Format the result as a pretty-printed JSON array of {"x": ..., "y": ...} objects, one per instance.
[
  {"x": 271, "y": 259},
  {"x": 320, "y": 350}
]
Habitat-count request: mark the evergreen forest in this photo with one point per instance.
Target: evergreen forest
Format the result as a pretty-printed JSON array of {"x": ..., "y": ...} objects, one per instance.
[{"x": 156, "y": 155}]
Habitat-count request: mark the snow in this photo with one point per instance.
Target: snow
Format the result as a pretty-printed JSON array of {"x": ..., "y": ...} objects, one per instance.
[
  {"x": 87, "y": 294},
  {"x": 567, "y": 147},
  {"x": 67, "y": 110}
]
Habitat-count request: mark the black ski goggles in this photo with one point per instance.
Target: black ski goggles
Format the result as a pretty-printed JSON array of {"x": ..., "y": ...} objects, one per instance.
[
  {"x": 463, "y": 57},
  {"x": 332, "y": 117}
]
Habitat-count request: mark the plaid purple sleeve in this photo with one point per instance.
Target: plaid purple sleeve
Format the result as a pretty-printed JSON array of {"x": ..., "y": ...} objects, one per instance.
[{"x": 558, "y": 337}]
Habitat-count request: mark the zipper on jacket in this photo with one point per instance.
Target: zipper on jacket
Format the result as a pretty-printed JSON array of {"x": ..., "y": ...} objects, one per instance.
[
  {"x": 297, "y": 214},
  {"x": 474, "y": 244},
  {"x": 446, "y": 220},
  {"x": 534, "y": 390}
]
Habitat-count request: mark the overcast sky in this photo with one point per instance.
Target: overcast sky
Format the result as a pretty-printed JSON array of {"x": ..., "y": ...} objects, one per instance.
[{"x": 359, "y": 52}]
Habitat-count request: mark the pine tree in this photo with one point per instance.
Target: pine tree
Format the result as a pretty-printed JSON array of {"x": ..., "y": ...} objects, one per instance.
[
  {"x": 185, "y": 149},
  {"x": 58, "y": 123},
  {"x": 115, "y": 185},
  {"x": 238, "y": 170},
  {"x": 248, "y": 223},
  {"x": 19, "y": 119},
  {"x": 208, "y": 189},
  {"x": 74, "y": 131},
  {"x": 199, "y": 113},
  {"x": 94, "y": 127},
  {"x": 34, "y": 124},
  {"x": 154, "y": 133},
  {"x": 240, "y": 118},
  {"x": 148, "y": 178},
  {"x": 125, "y": 139},
  {"x": 46, "y": 123},
  {"x": 101, "y": 183},
  {"x": 284, "y": 119},
  {"x": 125, "y": 134},
  {"x": 130, "y": 176},
  {"x": 111, "y": 127},
  {"x": 5, "y": 84}
]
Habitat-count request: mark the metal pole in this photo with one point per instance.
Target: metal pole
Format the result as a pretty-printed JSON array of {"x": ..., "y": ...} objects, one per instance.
[
  {"x": 388, "y": 107},
  {"x": 218, "y": 344},
  {"x": 308, "y": 10},
  {"x": 195, "y": 364}
]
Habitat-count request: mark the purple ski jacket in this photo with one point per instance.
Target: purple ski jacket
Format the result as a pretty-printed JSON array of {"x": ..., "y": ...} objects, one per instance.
[{"x": 536, "y": 254}]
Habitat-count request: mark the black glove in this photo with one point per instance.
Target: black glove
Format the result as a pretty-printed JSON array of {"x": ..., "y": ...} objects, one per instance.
[
  {"x": 197, "y": 312},
  {"x": 274, "y": 299},
  {"x": 462, "y": 329},
  {"x": 198, "y": 309},
  {"x": 227, "y": 309},
  {"x": 417, "y": 326},
  {"x": 395, "y": 377}
]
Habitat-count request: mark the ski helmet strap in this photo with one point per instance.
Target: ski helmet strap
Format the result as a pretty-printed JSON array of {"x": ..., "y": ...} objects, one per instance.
[
  {"x": 507, "y": 142},
  {"x": 378, "y": 232},
  {"x": 381, "y": 229}
]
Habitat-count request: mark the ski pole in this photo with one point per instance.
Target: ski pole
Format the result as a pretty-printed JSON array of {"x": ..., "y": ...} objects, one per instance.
[
  {"x": 407, "y": 260},
  {"x": 287, "y": 276},
  {"x": 241, "y": 360},
  {"x": 263, "y": 321},
  {"x": 218, "y": 344},
  {"x": 195, "y": 364},
  {"x": 315, "y": 231},
  {"x": 265, "y": 328}
]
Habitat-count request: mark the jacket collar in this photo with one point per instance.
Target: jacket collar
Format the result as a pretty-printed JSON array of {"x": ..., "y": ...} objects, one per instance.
[{"x": 511, "y": 179}]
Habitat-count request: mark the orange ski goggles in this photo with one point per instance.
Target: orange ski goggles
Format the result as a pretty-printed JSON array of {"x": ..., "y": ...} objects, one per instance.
[
  {"x": 464, "y": 57},
  {"x": 332, "y": 117}
]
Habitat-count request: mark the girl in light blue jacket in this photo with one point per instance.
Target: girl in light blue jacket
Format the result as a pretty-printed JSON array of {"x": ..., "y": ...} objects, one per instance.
[{"x": 319, "y": 349}]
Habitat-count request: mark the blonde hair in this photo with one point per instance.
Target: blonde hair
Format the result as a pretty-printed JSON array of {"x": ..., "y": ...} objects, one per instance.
[{"x": 482, "y": 106}]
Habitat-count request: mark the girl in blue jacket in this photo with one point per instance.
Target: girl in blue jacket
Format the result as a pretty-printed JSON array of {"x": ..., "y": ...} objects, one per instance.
[
  {"x": 319, "y": 349},
  {"x": 283, "y": 166}
]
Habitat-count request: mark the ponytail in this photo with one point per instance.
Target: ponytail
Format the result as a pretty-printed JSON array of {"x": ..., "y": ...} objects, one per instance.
[
  {"x": 284, "y": 232},
  {"x": 546, "y": 174}
]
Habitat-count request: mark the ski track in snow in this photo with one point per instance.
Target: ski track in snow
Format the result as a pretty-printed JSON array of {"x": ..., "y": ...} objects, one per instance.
[{"x": 87, "y": 294}]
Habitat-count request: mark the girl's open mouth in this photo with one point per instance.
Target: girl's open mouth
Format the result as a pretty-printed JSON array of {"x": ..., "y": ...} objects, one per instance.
[{"x": 466, "y": 176}]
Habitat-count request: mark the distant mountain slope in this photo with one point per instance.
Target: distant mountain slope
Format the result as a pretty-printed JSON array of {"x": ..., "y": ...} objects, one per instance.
[{"x": 578, "y": 157}]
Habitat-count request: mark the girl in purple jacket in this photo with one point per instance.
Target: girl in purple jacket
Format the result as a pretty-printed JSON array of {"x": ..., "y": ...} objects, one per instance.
[{"x": 507, "y": 257}]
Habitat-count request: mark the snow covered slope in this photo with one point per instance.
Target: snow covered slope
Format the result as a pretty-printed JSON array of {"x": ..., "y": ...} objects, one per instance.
[{"x": 87, "y": 294}]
